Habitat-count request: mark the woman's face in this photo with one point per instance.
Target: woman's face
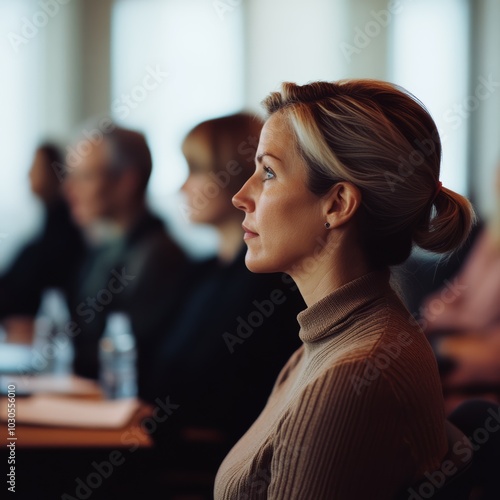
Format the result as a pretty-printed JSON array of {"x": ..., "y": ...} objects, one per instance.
[
  {"x": 284, "y": 221},
  {"x": 208, "y": 201}
]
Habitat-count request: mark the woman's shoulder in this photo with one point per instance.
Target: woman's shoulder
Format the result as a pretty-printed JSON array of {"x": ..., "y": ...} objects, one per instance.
[{"x": 388, "y": 348}]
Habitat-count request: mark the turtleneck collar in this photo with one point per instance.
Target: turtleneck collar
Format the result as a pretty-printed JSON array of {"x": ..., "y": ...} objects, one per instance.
[{"x": 330, "y": 314}]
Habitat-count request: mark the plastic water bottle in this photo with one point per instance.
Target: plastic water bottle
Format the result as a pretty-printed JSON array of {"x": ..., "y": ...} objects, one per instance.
[
  {"x": 53, "y": 348},
  {"x": 117, "y": 358}
]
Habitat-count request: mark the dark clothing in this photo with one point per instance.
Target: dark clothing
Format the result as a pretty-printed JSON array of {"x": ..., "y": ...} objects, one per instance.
[
  {"x": 138, "y": 274},
  {"x": 219, "y": 360},
  {"x": 49, "y": 261},
  {"x": 471, "y": 417}
]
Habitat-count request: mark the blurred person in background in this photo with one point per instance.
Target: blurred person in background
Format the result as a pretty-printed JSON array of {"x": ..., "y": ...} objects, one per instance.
[
  {"x": 474, "y": 304},
  {"x": 219, "y": 358},
  {"x": 50, "y": 259},
  {"x": 462, "y": 318},
  {"x": 131, "y": 264}
]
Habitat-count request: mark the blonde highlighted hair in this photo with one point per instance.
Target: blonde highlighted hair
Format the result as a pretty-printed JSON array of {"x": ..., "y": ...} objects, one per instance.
[{"x": 380, "y": 138}]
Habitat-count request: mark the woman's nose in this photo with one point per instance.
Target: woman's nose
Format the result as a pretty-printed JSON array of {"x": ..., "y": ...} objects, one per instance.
[{"x": 241, "y": 199}]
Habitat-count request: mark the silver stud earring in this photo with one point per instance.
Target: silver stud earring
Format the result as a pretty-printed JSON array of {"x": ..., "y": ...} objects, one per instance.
[{"x": 327, "y": 225}]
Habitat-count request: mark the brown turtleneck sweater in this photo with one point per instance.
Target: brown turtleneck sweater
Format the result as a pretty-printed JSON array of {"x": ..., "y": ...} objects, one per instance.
[{"x": 355, "y": 414}]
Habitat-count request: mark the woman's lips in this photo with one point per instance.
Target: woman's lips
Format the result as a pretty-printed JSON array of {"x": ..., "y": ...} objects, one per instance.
[{"x": 249, "y": 234}]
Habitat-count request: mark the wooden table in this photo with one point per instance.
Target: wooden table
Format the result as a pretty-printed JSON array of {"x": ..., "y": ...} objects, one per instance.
[
  {"x": 33, "y": 436},
  {"x": 66, "y": 436}
]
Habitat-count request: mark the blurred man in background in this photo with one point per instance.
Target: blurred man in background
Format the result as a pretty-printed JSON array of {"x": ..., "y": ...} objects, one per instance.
[{"x": 132, "y": 264}]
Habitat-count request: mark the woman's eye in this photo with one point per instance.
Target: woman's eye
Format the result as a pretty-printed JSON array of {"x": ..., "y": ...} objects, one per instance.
[{"x": 268, "y": 174}]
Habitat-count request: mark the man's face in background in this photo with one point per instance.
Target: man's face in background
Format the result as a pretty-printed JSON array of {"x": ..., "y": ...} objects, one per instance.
[{"x": 90, "y": 185}]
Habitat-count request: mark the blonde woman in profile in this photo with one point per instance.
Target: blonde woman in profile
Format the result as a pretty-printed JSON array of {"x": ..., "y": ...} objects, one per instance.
[{"x": 346, "y": 181}]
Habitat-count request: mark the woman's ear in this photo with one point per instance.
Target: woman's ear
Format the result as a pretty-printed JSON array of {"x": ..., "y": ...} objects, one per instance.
[{"x": 341, "y": 203}]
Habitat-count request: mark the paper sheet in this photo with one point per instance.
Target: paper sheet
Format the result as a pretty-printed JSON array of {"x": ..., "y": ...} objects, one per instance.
[
  {"x": 51, "y": 384},
  {"x": 72, "y": 412}
]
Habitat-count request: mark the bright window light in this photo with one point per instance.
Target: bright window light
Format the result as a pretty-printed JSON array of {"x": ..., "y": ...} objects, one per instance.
[
  {"x": 19, "y": 212},
  {"x": 429, "y": 58},
  {"x": 174, "y": 64}
]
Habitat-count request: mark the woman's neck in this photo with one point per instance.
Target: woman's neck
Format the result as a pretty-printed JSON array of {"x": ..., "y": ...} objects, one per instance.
[{"x": 331, "y": 266}]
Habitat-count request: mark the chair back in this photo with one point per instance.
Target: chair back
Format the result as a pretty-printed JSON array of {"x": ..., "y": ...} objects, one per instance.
[{"x": 452, "y": 480}]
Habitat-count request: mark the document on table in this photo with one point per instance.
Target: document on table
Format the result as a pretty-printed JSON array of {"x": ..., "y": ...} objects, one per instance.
[
  {"x": 70, "y": 385},
  {"x": 60, "y": 411}
]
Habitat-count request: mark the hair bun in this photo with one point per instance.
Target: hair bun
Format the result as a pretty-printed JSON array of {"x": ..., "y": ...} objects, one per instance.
[{"x": 447, "y": 224}]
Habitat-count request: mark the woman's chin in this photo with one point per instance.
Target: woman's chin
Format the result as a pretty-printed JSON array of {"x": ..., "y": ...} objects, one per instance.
[{"x": 257, "y": 264}]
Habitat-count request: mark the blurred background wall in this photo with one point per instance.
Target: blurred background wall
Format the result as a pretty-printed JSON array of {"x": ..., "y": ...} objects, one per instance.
[{"x": 161, "y": 66}]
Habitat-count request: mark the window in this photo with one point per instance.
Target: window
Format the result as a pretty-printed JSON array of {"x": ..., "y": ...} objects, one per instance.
[
  {"x": 19, "y": 98},
  {"x": 429, "y": 57},
  {"x": 175, "y": 63}
]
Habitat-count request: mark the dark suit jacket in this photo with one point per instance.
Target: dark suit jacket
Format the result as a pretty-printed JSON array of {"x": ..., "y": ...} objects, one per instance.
[{"x": 139, "y": 274}]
